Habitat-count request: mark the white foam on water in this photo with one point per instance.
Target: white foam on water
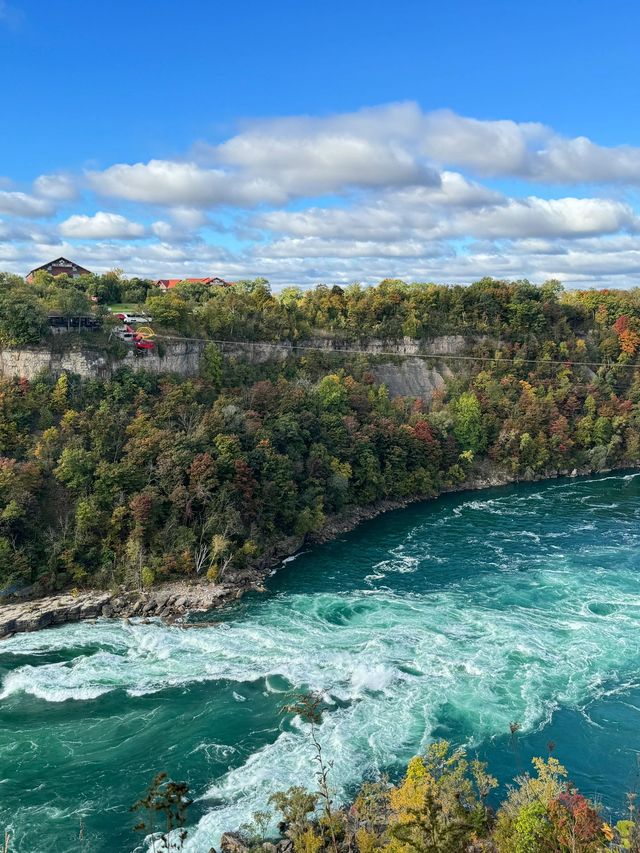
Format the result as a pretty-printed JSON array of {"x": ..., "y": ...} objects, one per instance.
[
  {"x": 293, "y": 557},
  {"x": 489, "y": 649},
  {"x": 491, "y": 506},
  {"x": 399, "y": 563},
  {"x": 391, "y": 660}
]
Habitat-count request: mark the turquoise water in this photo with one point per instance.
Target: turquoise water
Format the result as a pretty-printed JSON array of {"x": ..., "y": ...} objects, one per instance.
[{"x": 454, "y": 618}]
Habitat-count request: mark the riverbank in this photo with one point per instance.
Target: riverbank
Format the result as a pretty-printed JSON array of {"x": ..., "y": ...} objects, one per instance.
[
  {"x": 454, "y": 616},
  {"x": 176, "y": 600}
]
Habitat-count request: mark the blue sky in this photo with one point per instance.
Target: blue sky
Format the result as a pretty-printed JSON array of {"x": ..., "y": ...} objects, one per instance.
[{"x": 338, "y": 141}]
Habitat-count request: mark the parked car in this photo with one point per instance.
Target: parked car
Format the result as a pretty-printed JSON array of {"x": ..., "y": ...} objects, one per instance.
[
  {"x": 134, "y": 318},
  {"x": 130, "y": 336},
  {"x": 125, "y": 334},
  {"x": 58, "y": 323}
]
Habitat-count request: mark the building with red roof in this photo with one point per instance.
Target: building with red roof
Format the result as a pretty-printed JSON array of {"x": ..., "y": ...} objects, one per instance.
[{"x": 169, "y": 283}]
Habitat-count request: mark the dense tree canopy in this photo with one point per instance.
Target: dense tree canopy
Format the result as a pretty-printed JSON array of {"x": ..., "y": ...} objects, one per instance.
[
  {"x": 515, "y": 311},
  {"x": 141, "y": 478}
]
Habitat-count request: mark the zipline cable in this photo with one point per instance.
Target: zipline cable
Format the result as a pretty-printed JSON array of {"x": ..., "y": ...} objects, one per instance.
[{"x": 293, "y": 348}]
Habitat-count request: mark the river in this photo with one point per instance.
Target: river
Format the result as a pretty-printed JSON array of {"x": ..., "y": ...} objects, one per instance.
[{"x": 451, "y": 618}]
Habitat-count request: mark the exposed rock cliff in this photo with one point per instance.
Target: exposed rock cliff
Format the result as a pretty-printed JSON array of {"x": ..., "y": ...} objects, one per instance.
[
  {"x": 89, "y": 362},
  {"x": 411, "y": 377}
]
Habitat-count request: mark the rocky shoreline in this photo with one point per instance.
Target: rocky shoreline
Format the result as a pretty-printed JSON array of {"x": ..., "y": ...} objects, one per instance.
[
  {"x": 174, "y": 601},
  {"x": 168, "y": 602}
]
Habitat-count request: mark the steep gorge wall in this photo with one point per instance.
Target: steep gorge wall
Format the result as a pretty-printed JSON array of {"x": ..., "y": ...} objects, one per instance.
[
  {"x": 403, "y": 374},
  {"x": 412, "y": 377},
  {"x": 88, "y": 362},
  {"x": 397, "y": 362}
]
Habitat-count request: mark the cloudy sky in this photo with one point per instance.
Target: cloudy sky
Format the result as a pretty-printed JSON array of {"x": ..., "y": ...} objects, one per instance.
[{"x": 420, "y": 139}]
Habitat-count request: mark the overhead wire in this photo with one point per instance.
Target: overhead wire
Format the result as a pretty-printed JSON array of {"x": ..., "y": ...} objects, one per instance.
[{"x": 292, "y": 348}]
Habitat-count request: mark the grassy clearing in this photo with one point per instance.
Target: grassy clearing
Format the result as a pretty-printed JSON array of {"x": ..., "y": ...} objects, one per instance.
[{"x": 124, "y": 307}]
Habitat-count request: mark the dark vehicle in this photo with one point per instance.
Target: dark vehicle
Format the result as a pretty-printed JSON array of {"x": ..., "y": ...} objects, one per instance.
[{"x": 58, "y": 323}]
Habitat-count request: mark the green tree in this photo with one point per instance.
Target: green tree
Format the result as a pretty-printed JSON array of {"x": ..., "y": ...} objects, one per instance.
[
  {"x": 211, "y": 367},
  {"x": 469, "y": 426},
  {"x": 23, "y": 319},
  {"x": 70, "y": 303},
  {"x": 169, "y": 309}
]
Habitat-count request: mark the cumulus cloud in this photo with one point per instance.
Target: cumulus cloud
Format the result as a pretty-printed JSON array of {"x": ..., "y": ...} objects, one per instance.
[
  {"x": 317, "y": 247},
  {"x": 17, "y": 229},
  {"x": 174, "y": 184},
  {"x": 188, "y": 217},
  {"x": 435, "y": 216},
  {"x": 606, "y": 260},
  {"x": 579, "y": 160},
  {"x": 22, "y": 204},
  {"x": 312, "y": 156},
  {"x": 276, "y": 161},
  {"x": 526, "y": 150},
  {"x": 393, "y": 146},
  {"x": 56, "y": 187},
  {"x": 485, "y": 147},
  {"x": 389, "y": 190},
  {"x": 391, "y": 215},
  {"x": 538, "y": 217},
  {"x": 173, "y": 232},
  {"x": 101, "y": 226}
]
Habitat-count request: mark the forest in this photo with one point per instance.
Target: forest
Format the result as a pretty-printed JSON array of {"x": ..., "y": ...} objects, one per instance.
[
  {"x": 140, "y": 479},
  {"x": 248, "y": 310}
]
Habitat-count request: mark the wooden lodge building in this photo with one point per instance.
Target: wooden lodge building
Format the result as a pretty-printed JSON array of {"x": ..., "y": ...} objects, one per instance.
[{"x": 61, "y": 266}]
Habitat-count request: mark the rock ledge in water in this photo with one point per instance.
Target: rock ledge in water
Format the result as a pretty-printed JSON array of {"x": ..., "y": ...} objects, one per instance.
[
  {"x": 175, "y": 600},
  {"x": 169, "y": 602}
]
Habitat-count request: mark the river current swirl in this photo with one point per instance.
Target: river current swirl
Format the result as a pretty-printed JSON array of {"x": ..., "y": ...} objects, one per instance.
[{"x": 452, "y": 618}]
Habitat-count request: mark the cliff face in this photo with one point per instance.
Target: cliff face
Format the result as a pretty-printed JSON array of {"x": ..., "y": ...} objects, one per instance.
[
  {"x": 407, "y": 377},
  {"x": 180, "y": 358},
  {"x": 413, "y": 377}
]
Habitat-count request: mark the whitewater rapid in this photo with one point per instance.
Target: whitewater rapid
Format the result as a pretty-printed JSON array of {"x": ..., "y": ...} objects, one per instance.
[{"x": 487, "y": 611}]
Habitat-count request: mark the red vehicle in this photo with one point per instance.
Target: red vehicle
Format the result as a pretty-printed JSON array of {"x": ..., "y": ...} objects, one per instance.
[{"x": 130, "y": 336}]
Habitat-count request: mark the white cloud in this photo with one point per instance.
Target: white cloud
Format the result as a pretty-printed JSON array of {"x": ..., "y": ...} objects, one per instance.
[
  {"x": 276, "y": 161},
  {"x": 484, "y": 147},
  {"x": 100, "y": 226},
  {"x": 579, "y": 160},
  {"x": 389, "y": 147},
  {"x": 175, "y": 184},
  {"x": 163, "y": 230},
  {"x": 188, "y": 217},
  {"x": 407, "y": 196},
  {"x": 316, "y": 247},
  {"x": 538, "y": 217},
  {"x": 22, "y": 204},
  {"x": 56, "y": 187},
  {"x": 526, "y": 150},
  {"x": 15, "y": 230},
  {"x": 313, "y": 156},
  {"x": 172, "y": 232},
  {"x": 435, "y": 216},
  {"x": 603, "y": 261},
  {"x": 392, "y": 144}
]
